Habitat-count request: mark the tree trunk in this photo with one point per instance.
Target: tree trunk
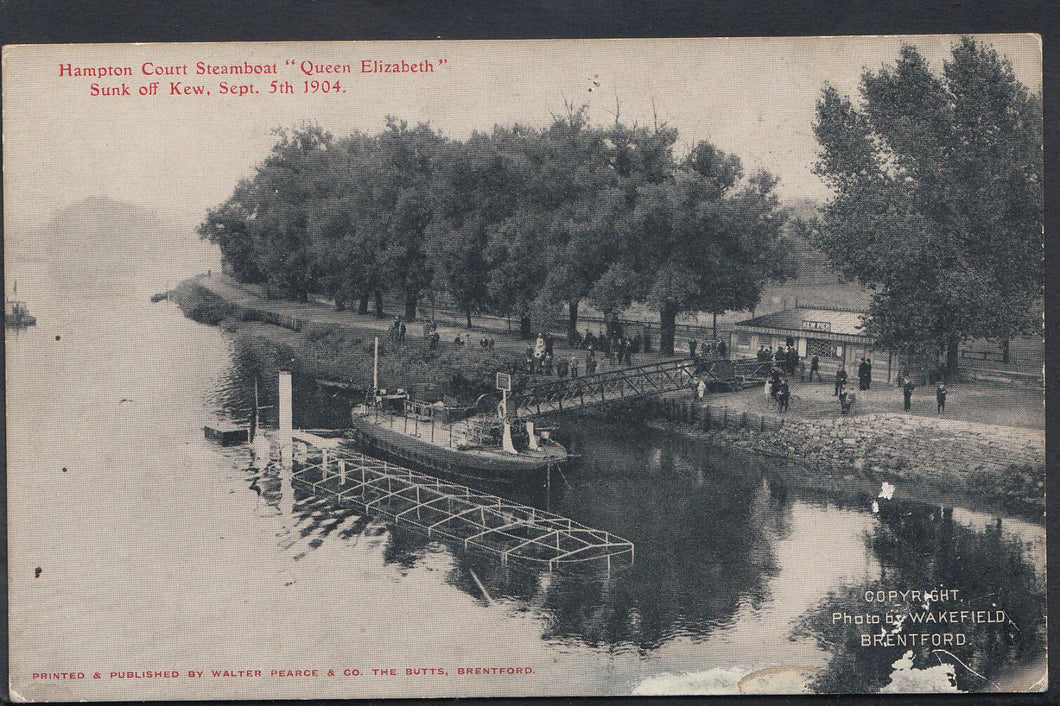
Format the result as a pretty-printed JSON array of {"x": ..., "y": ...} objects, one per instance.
[
  {"x": 468, "y": 311},
  {"x": 410, "y": 306},
  {"x": 362, "y": 304},
  {"x": 951, "y": 355},
  {"x": 524, "y": 327},
  {"x": 667, "y": 328},
  {"x": 1006, "y": 353},
  {"x": 715, "y": 325},
  {"x": 379, "y": 304},
  {"x": 572, "y": 321}
]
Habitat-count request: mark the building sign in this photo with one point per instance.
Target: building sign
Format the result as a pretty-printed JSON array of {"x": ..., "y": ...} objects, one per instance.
[
  {"x": 817, "y": 325},
  {"x": 504, "y": 382}
]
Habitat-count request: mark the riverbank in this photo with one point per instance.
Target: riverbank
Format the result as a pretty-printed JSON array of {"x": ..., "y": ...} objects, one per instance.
[
  {"x": 985, "y": 465},
  {"x": 989, "y": 449},
  {"x": 334, "y": 351}
]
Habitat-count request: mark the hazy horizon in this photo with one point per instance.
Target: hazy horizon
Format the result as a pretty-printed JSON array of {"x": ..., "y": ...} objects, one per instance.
[{"x": 178, "y": 156}]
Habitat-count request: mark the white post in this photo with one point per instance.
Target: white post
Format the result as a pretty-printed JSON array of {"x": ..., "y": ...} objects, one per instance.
[
  {"x": 286, "y": 418},
  {"x": 375, "y": 367},
  {"x": 261, "y": 449},
  {"x": 509, "y": 447},
  {"x": 531, "y": 435},
  {"x": 325, "y": 462},
  {"x": 342, "y": 471}
]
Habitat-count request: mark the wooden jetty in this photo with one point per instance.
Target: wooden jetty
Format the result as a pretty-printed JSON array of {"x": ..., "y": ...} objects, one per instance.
[{"x": 225, "y": 435}]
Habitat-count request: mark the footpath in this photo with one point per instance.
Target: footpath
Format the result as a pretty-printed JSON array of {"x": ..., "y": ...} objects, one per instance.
[{"x": 252, "y": 297}]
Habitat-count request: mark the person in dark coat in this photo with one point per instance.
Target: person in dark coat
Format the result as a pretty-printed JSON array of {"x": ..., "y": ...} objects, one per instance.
[
  {"x": 774, "y": 382},
  {"x": 907, "y": 393},
  {"x": 783, "y": 395},
  {"x": 815, "y": 367},
  {"x": 562, "y": 368},
  {"x": 940, "y": 398},
  {"x": 692, "y": 343},
  {"x": 722, "y": 349},
  {"x": 863, "y": 372},
  {"x": 868, "y": 373},
  {"x": 840, "y": 380}
]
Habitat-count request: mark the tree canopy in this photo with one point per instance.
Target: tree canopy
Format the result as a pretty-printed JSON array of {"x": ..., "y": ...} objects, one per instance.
[
  {"x": 519, "y": 221},
  {"x": 938, "y": 182}
]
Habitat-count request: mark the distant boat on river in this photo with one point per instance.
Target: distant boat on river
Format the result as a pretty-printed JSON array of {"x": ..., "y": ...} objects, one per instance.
[{"x": 16, "y": 313}]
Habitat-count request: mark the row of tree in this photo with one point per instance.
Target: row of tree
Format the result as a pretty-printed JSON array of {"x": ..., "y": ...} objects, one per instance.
[
  {"x": 937, "y": 208},
  {"x": 519, "y": 221}
]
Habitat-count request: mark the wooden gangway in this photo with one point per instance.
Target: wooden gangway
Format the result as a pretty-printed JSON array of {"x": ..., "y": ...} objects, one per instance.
[
  {"x": 630, "y": 383},
  {"x": 516, "y": 533}
]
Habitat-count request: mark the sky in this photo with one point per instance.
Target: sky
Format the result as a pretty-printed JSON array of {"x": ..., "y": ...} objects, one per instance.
[{"x": 180, "y": 155}]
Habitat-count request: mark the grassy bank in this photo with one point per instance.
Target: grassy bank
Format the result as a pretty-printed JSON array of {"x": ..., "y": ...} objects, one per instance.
[{"x": 458, "y": 375}]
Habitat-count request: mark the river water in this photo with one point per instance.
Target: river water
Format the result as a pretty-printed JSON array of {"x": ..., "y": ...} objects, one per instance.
[{"x": 137, "y": 545}]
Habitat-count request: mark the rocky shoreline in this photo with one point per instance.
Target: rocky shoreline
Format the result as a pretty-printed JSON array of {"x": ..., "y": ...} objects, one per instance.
[{"x": 995, "y": 467}]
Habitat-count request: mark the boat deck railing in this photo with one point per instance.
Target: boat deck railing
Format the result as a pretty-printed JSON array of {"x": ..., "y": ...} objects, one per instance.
[{"x": 514, "y": 532}]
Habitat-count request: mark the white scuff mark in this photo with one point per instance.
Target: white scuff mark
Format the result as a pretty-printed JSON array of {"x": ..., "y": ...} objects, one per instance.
[
  {"x": 713, "y": 681},
  {"x": 935, "y": 652},
  {"x": 886, "y": 491},
  {"x": 906, "y": 679}
]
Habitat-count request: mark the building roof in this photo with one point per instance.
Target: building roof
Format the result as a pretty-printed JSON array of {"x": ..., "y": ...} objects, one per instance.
[{"x": 806, "y": 322}]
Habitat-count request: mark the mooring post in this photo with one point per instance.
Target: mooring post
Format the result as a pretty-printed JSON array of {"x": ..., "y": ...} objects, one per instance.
[
  {"x": 286, "y": 420},
  {"x": 342, "y": 471},
  {"x": 324, "y": 463}
]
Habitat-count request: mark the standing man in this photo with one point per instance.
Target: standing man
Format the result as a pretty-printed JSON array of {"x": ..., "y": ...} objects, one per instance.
[
  {"x": 692, "y": 343},
  {"x": 863, "y": 371},
  {"x": 907, "y": 393},
  {"x": 815, "y": 367},
  {"x": 783, "y": 395},
  {"x": 868, "y": 373},
  {"x": 840, "y": 380},
  {"x": 722, "y": 349},
  {"x": 940, "y": 398}
]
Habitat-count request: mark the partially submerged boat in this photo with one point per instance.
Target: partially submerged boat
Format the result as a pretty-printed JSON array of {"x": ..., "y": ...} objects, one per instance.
[
  {"x": 450, "y": 442},
  {"x": 17, "y": 314}
]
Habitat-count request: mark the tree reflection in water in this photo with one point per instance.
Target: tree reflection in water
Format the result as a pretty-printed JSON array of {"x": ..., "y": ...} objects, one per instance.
[
  {"x": 704, "y": 531},
  {"x": 921, "y": 547}
]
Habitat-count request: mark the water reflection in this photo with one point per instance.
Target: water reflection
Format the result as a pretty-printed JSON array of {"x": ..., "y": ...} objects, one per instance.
[
  {"x": 720, "y": 538},
  {"x": 255, "y": 361},
  {"x": 923, "y": 548}
]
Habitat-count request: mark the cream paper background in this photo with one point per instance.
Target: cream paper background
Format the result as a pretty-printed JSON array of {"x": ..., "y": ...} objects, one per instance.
[{"x": 169, "y": 578}]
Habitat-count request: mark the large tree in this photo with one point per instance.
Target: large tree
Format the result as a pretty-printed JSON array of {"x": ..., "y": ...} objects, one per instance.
[
  {"x": 705, "y": 245},
  {"x": 938, "y": 199}
]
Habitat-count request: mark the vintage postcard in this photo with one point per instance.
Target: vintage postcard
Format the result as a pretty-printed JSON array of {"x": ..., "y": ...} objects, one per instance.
[{"x": 525, "y": 368}]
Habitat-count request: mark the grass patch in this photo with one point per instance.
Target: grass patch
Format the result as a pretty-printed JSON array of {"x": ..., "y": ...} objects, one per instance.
[{"x": 200, "y": 304}]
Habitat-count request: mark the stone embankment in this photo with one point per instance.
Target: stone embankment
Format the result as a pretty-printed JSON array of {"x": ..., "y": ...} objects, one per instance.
[{"x": 1000, "y": 465}]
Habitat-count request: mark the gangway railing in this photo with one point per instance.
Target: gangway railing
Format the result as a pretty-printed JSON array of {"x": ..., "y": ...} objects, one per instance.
[
  {"x": 600, "y": 388},
  {"x": 515, "y": 533}
]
